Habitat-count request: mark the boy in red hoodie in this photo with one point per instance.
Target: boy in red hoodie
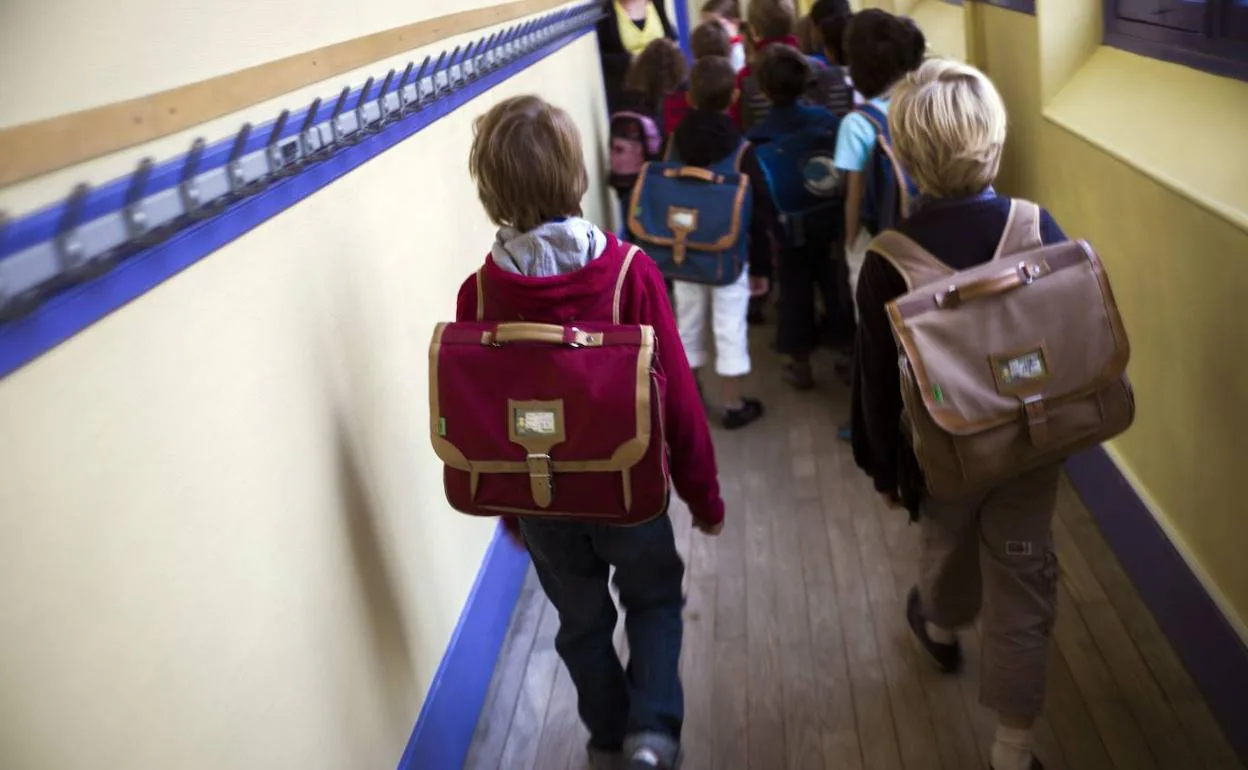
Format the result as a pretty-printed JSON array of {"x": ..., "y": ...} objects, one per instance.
[{"x": 548, "y": 265}]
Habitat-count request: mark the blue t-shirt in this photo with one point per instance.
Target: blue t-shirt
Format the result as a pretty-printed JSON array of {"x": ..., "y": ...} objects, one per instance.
[{"x": 856, "y": 139}]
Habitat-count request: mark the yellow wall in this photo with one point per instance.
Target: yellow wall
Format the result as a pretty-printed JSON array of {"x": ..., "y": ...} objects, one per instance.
[
  {"x": 223, "y": 540},
  {"x": 1145, "y": 159}
]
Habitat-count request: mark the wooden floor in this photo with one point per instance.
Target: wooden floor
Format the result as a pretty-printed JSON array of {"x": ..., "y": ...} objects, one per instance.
[{"x": 797, "y": 654}]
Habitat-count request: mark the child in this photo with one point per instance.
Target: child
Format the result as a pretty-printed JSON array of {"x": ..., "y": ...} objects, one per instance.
[
  {"x": 805, "y": 263},
  {"x": 549, "y": 265},
  {"x": 727, "y": 13},
  {"x": 820, "y": 11},
  {"x": 832, "y": 34},
  {"x": 769, "y": 22},
  {"x": 948, "y": 127},
  {"x": 881, "y": 49},
  {"x": 708, "y": 39},
  {"x": 705, "y": 137},
  {"x": 637, "y": 128}
]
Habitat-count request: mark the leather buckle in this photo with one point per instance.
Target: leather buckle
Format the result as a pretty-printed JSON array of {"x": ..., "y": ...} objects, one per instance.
[
  {"x": 1037, "y": 419},
  {"x": 541, "y": 478}
]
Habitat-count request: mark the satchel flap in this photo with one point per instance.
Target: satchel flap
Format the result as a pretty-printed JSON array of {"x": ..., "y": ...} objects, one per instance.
[
  {"x": 701, "y": 209},
  {"x": 1041, "y": 325},
  {"x": 503, "y": 394}
]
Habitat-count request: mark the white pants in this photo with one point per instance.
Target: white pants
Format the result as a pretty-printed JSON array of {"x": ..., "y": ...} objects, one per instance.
[
  {"x": 727, "y": 306},
  {"x": 855, "y": 255}
]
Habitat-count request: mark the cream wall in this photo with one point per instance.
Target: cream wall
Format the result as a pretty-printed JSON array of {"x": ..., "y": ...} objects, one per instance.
[
  {"x": 223, "y": 540},
  {"x": 1145, "y": 160}
]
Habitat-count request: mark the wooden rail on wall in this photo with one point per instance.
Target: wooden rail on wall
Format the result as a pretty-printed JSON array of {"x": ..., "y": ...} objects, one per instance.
[{"x": 36, "y": 148}]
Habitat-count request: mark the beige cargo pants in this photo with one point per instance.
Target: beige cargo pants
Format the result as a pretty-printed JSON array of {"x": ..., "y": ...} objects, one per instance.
[{"x": 994, "y": 552}]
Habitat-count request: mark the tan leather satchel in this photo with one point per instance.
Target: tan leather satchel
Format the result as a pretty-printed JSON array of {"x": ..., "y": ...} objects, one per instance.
[{"x": 1008, "y": 366}]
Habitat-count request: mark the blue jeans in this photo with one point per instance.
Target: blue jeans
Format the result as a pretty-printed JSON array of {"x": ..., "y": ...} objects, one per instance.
[{"x": 573, "y": 561}]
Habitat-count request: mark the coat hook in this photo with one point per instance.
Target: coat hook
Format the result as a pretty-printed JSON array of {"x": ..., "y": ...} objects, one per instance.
[
  {"x": 312, "y": 143},
  {"x": 441, "y": 78},
  {"x": 137, "y": 224},
  {"x": 76, "y": 265},
  {"x": 13, "y": 303},
  {"x": 387, "y": 115},
  {"x": 341, "y": 138},
  {"x": 363, "y": 127},
  {"x": 239, "y": 185},
  {"x": 283, "y": 159},
  {"x": 406, "y": 104},
  {"x": 188, "y": 187},
  {"x": 424, "y": 84}
]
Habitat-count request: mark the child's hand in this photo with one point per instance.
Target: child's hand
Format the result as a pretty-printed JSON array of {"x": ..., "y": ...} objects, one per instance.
[
  {"x": 758, "y": 286},
  {"x": 710, "y": 530}
]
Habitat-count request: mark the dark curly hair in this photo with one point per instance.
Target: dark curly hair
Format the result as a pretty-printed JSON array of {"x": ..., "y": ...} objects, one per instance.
[
  {"x": 881, "y": 48},
  {"x": 782, "y": 74}
]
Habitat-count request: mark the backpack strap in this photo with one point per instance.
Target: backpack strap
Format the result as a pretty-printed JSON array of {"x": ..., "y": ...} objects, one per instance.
[
  {"x": 875, "y": 117},
  {"x": 619, "y": 284},
  {"x": 917, "y": 266},
  {"x": 481, "y": 293},
  {"x": 1022, "y": 229}
]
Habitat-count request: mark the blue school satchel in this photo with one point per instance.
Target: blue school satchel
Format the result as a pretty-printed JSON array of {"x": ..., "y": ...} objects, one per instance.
[
  {"x": 889, "y": 192},
  {"x": 804, "y": 181},
  {"x": 694, "y": 221}
]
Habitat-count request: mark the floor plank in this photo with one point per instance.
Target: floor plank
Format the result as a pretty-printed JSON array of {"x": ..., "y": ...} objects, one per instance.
[{"x": 797, "y": 654}]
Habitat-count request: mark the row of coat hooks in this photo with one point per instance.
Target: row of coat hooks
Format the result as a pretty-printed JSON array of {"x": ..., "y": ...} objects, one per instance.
[{"x": 93, "y": 230}]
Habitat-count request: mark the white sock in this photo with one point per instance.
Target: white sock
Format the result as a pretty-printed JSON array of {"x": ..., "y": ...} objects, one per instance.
[
  {"x": 940, "y": 635},
  {"x": 646, "y": 755},
  {"x": 1012, "y": 749}
]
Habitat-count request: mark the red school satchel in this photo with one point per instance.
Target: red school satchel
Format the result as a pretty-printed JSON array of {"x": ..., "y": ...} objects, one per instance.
[{"x": 550, "y": 421}]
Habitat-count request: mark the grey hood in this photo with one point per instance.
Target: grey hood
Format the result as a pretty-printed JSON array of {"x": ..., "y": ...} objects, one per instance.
[{"x": 554, "y": 248}]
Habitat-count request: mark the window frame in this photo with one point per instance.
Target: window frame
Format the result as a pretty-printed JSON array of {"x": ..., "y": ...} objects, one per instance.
[{"x": 1220, "y": 48}]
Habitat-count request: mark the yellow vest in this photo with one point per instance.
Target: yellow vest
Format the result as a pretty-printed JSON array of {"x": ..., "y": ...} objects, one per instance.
[{"x": 634, "y": 39}]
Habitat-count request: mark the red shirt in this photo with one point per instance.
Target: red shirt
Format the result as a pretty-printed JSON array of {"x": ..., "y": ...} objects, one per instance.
[
  {"x": 562, "y": 299},
  {"x": 735, "y": 110}
]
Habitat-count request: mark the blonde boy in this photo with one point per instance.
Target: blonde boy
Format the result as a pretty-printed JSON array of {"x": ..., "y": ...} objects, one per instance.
[{"x": 990, "y": 555}]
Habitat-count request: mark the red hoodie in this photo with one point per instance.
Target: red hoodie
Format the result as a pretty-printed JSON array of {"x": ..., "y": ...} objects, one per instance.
[
  {"x": 735, "y": 109},
  {"x": 562, "y": 299}
]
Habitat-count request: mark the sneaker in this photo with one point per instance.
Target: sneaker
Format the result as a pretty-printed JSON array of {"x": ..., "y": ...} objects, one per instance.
[
  {"x": 947, "y": 657},
  {"x": 749, "y": 411},
  {"x": 652, "y": 751},
  {"x": 843, "y": 432},
  {"x": 799, "y": 375}
]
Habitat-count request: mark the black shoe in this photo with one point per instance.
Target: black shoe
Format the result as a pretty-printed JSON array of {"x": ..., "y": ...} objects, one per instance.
[
  {"x": 947, "y": 657},
  {"x": 1036, "y": 764},
  {"x": 799, "y": 375},
  {"x": 749, "y": 411}
]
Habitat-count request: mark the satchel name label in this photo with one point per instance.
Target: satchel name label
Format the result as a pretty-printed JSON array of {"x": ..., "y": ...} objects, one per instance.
[
  {"x": 1022, "y": 368},
  {"x": 535, "y": 422}
]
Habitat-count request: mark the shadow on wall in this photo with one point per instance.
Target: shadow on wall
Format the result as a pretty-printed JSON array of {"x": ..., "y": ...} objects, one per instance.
[{"x": 385, "y": 629}]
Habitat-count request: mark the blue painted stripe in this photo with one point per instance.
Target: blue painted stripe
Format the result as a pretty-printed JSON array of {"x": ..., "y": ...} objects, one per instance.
[
  {"x": 70, "y": 311},
  {"x": 683, "y": 30},
  {"x": 449, "y": 716},
  {"x": 1206, "y": 642},
  {"x": 1021, "y": 6}
]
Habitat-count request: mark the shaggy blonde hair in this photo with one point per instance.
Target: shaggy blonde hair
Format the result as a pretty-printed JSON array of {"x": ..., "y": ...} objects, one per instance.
[
  {"x": 948, "y": 127},
  {"x": 528, "y": 163}
]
